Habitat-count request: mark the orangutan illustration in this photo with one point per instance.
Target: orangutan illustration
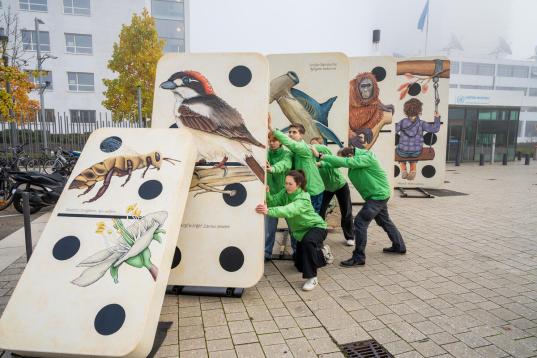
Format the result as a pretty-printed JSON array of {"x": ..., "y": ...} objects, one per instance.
[{"x": 367, "y": 114}]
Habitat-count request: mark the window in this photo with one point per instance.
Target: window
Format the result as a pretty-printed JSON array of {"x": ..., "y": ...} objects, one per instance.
[
  {"x": 533, "y": 92},
  {"x": 33, "y": 5},
  {"x": 476, "y": 87},
  {"x": 534, "y": 72},
  {"x": 77, "y": 43},
  {"x": 505, "y": 88},
  {"x": 50, "y": 116},
  {"x": 76, "y": 7},
  {"x": 477, "y": 69},
  {"x": 82, "y": 116},
  {"x": 29, "y": 40},
  {"x": 513, "y": 71},
  {"x": 80, "y": 81},
  {"x": 167, "y": 9},
  {"x": 452, "y": 85},
  {"x": 174, "y": 45},
  {"x": 45, "y": 76},
  {"x": 173, "y": 32},
  {"x": 454, "y": 67}
]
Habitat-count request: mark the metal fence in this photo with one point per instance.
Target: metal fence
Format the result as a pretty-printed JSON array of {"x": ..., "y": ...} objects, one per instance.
[{"x": 60, "y": 130}]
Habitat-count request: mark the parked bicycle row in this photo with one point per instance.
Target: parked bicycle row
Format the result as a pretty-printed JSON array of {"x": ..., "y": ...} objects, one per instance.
[{"x": 43, "y": 177}]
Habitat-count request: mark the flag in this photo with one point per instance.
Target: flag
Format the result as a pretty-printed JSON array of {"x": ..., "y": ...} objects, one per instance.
[{"x": 423, "y": 16}]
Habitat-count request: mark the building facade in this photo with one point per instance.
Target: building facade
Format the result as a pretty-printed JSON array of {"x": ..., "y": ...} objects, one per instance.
[
  {"x": 77, "y": 36},
  {"x": 493, "y": 107}
]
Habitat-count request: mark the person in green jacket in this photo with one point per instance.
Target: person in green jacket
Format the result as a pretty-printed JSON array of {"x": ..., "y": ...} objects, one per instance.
[
  {"x": 368, "y": 177},
  {"x": 279, "y": 161},
  {"x": 309, "y": 229},
  {"x": 334, "y": 184},
  {"x": 303, "y": 159}
]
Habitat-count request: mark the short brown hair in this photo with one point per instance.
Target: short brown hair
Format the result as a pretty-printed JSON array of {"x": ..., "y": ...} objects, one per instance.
[
  {"x": 271, "y": 137},
  {"x": 346, "y": 152},
  {"x": 299, "y": 178},
  {"x": 317, "y": 139},
  {"x": 298, "y": 127},
  {"x": 413, "y": 107}
]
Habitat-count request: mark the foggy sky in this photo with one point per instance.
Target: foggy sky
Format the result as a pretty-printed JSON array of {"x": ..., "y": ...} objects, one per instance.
[{"x": 280, "y": 26}]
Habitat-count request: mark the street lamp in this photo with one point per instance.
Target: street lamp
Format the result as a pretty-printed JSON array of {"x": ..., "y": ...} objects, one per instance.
[
  {"x": 4, "y": 39},
  {"x": 41, "y": 86}
]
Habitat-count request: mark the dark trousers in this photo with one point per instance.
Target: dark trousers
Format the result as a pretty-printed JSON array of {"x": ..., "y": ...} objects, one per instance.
[
  {"x": 316, "y": 201},
  {"x": 378, "y": 210},
  {"x": 309, "y": 255},
  {"x": 343, "y": 196}
]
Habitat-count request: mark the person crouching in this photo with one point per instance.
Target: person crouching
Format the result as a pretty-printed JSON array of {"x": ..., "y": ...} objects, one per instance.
[{"x": 309, "y": 229}]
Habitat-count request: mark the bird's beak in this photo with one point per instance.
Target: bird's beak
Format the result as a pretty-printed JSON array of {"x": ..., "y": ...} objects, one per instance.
[{"x": 168, "y": 85}]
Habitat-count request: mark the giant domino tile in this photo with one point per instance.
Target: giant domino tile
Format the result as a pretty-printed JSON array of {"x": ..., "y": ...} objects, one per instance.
[
  {"x": 429, "y": 173},
  {"x": 383, "y": 69},
  {"x": 96, "y": 280},
  {"x": 222, "y": 237}
]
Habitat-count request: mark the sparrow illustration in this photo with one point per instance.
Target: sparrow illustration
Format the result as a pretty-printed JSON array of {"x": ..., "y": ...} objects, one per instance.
[{"x": 218, "y": 127}]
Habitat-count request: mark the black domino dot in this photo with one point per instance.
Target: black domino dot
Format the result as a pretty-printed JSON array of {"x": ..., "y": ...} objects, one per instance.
[
  {"x": 379, "y": 73},
  {"x": 109, "y": 319},
  {"x": 174, "y": 125},
  {"x": 414, "y": 89},
  {"x": 240, "y": 76},
  {"x": 66, "y": 248},
  {"x": 176, "y": 258},
  {"x": 239, "y": 196},
  {"x": 231, "y": 259},
  {"x": 111, "y": 144},
  {"x": 396, "y": 171},
  {"x": 428, "y": 171},
  {"x": 429, "y": 138},
  {"x": 150, "y": 189}
]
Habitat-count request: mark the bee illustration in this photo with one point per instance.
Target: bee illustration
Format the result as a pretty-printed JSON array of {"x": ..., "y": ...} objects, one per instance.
[{"x": 116, "y": 166}]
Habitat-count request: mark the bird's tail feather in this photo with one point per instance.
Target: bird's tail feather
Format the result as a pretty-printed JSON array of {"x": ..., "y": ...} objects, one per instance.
[{"x": 255, "y": 167}]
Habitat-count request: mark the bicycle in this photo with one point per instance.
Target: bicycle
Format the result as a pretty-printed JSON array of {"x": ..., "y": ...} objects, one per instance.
[
  {"x": 43, "y": 158},
  {"x": 6, "y": 188},
  {"x": 63, "y": 162}
]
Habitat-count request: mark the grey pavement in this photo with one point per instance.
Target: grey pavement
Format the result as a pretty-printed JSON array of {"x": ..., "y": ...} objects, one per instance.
[{"x": 467, "y": 286}]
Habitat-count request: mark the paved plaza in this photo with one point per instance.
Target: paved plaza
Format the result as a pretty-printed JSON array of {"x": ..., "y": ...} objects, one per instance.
[{"x": 467, "y": 286}]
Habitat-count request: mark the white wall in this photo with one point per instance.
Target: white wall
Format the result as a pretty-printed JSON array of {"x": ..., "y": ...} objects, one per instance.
[
  {"x": 281, "y": 26},
  {"x": 104, "y": 24}
]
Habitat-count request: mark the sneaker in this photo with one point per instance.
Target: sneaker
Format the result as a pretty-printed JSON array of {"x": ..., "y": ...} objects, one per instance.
[
  {"x": 404, "y": 174},
  {"x": 310, "y": 284},
  {"x": 352, "y": 262},
  {"x": 328, "y": 256},
  {"x": 394, "y": 250},
  {"x": 411, "y": 176},
  {"x": 350, "y": 242}
]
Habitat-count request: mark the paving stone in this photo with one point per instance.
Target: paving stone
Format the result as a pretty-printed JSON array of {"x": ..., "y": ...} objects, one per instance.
[
  {"x": 461, "y": 350},
  {"x": 398, "y": 347},
  {"x": 300, "y": 347},
  {"x": 223, "y": 354},
  {"x": 243, "y": 338},
  {"x": 278, "y": 350},
  {"x": 406, "y": 331},
  {"x": 240, "y": 326},
  {"x": 219, "y": 345},
  {"x": 514, "y": 348},
  {"x": 428, "y": 348},
  {"x": 323, "y": 345},
  {"x": 196, "y": 353},
  {"x": 384, "y": 335},
  {"x": 252, "y": 350},
  {"x": 190, "y": 344},
  {"x": 262, "y": 327},
  {"x": 217, "y": 332}
]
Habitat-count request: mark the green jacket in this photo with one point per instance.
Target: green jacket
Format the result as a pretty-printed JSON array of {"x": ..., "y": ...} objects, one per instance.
[
  {"x": 281, "y": 161},
  {"x": 304, "y": 160},
  {"x": 365, "y": 173},
  {"x": 298, "y": 211},
  {"x": 332, "y": 177}
]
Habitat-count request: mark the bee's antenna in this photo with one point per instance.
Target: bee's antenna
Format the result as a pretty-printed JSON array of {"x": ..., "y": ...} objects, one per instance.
[{"x": 171, "y": 160}]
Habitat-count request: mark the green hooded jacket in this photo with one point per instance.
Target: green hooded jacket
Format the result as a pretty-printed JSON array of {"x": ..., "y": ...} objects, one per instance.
[
  {"x": 298, "y": 211},
  {"x": 332, "y": 177},
  {"x": 303, "y": 159},
  {"x": 365, "y": 173},
  {"x": 281, "y": 161}
]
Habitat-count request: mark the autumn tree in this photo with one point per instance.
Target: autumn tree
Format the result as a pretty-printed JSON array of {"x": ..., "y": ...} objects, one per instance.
[
  {"x": 13, "y": 58},
  {"x": 134, "y": 59}
]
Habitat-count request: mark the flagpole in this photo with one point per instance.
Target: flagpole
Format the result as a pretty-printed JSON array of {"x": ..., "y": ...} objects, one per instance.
[{"x": 427, "y": 25}]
